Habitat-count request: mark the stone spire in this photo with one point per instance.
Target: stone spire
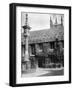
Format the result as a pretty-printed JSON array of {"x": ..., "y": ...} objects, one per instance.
[
  {"x": 56, "y": 21},
  {"x": 61, "y": 20},
  {"x": 51, "y": 23},
  {"x": 26, "y": 22},
  {"x": 26, "y": 26}
]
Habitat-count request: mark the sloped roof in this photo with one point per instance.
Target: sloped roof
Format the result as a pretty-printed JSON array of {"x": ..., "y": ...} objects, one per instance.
[{"x": 46, "y": 35}]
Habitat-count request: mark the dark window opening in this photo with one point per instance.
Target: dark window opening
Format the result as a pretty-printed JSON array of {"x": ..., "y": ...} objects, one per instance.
[
  {"x": 52, "y": 45},
  {"x": 32, "y": 49},
  {"x": 63, "y": 44},
  {"x": 40, "y": 46}
]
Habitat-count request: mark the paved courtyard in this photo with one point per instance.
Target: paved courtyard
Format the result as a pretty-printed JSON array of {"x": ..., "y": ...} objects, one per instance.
[{"x": 45, "y": 72}]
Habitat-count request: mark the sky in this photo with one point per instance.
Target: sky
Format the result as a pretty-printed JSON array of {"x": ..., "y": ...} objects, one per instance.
[{"x": 39, "y": 21}]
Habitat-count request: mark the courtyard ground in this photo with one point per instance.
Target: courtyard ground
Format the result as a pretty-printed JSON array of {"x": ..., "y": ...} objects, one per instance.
[{"x": 45, "y": 72}]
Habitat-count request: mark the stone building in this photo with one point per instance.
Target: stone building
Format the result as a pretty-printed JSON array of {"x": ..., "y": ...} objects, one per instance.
[{"x": 43, "y": 44}]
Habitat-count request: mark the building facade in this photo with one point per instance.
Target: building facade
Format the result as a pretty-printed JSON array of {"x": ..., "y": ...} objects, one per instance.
[{"x": 45, "y": 46}]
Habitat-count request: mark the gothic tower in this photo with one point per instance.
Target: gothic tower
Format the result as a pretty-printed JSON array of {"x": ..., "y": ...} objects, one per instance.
[
  {"x": 61, "y": 21},
  {"x": 51, "y": 23},
  {"x": 56, "y": 21}
]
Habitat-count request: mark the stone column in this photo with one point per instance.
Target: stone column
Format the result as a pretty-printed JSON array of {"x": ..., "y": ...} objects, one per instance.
[
  {"x": 36, "y": 48},
  {"x": 26, "y": 28},
  {"x": 26, "y": 58},
  {"x": 26, "y": 50}
]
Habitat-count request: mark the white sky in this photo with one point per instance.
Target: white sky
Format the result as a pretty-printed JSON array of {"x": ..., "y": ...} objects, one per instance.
[{"x": 39, "y": 21}]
